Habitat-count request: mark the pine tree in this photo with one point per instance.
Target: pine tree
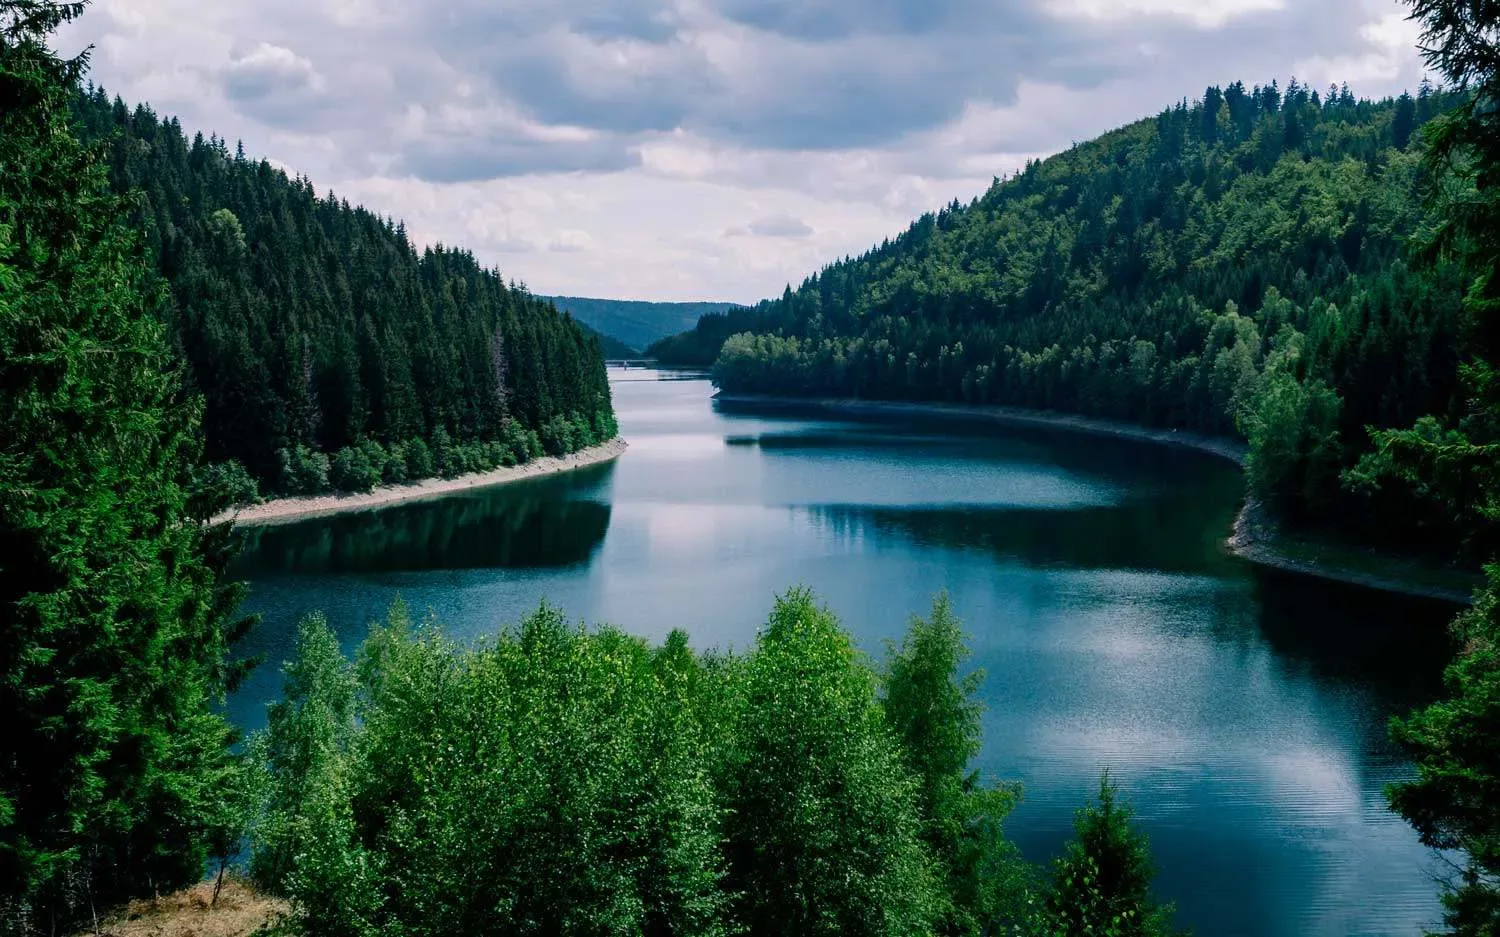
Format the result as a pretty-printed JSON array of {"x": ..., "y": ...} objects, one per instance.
[
  {"x": 934, "y": 714},
  {"x": 114, "y": 619},
  {"x": 1102, "y": 882}
]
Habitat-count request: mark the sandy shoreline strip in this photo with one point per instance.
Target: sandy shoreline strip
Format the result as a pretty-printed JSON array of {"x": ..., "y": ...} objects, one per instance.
[
  {"x": 1254, "y": 536},
  {"x": 282, "y": 510}
]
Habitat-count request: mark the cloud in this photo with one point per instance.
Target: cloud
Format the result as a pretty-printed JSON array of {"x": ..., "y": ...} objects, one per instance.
[
  {"x": 1208, "y": 14},
  {"x": 773, "y": 226},
  {"x": 268, "y": 70},
  {"x": 805, "y": 129}
]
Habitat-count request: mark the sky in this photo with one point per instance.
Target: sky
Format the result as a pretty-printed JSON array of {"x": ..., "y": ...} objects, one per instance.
[{"x": 698, "y": 149}]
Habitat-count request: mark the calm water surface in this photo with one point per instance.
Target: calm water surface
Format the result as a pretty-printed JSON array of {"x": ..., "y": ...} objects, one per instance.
[{"x": 1243, "y": 711}]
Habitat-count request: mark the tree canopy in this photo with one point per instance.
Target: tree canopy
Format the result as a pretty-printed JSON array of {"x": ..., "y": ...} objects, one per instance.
[
  {"x": 312, "y": 327},
  {"x": 1235, "y": 265}
]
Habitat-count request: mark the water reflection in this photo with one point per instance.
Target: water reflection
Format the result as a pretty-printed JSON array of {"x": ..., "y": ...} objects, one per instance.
[
  {"x": 1243, "y": 710},
  {"x": 538, "y": 523}
]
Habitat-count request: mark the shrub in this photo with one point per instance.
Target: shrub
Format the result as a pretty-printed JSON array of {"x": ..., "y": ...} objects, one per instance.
[
  {"x": 302, "y": 471},
  {"x": 352, "y": 471},
  {"x": 228, "y": 483},
  {"x": 419, "y": 461},
  {"x": 557, "y": 436},
  {"x": 394, "y": 472}
]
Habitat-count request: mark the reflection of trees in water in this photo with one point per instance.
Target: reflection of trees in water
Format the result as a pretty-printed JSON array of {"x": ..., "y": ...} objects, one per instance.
[
  {"x": 1389, "y": 644},
  {"x": 1397, "y": 644},
  {"x": 1168, "y": 535},
  {"x": 530, "y": 527}
]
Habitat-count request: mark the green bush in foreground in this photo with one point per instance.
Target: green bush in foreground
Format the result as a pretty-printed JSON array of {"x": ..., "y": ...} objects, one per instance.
[{"x": 560, "y": 780}]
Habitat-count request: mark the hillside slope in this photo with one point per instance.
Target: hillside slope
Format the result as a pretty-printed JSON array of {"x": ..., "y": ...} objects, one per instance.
[
  {"x": 1239, "y": 265},
  {"x": 311, "y": 326},
  {"x": 634, "y": 322}
]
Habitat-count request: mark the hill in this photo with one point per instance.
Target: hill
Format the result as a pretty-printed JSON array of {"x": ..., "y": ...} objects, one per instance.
[
  {"x": 636, "y": 323},
  {"x": 315, "y": 329},
  {"x": 610, "y": 346},
  {"x": 1239, "y": 265}
]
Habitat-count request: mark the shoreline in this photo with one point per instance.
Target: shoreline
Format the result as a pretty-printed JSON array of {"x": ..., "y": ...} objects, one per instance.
[
  {"x": 1253, "y": 537},
  {"x": 285, "y": 510}
]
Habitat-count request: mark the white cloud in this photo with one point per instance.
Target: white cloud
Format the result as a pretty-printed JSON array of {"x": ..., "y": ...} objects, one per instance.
[
  {"x": 1209, "y": 14},
  {"x": 606, "y": 148},
  {"x": 1389, "y": 54}
]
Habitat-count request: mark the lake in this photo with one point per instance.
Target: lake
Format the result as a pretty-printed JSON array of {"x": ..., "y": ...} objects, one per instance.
[{"x": 1242, "y": 710}]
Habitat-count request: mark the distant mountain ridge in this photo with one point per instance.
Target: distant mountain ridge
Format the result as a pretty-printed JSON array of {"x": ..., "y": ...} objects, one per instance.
[{"x": 636, "y": 323}]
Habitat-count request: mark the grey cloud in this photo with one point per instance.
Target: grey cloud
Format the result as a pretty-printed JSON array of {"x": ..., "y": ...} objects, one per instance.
[
  {"x": 269, "y": 70},
  {"x": 468, "y": 160},
  {"x": 833, "y": 19},
  {"x": 779, "y": 226},
  {"x": 777, "y": 75}
]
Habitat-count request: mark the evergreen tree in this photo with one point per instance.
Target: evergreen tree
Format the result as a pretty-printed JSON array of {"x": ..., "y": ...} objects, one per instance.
[
  {"x": 1452, "y": 802},
  {"x": 310, "y": 325},
  {"x": 1454, "y": 463},
  {"x": 1101, "y": 885},
  {"x": 1230, "y": 267},
  {"x": 115, "y": 621},
  {"x": 932, "y": 710}
]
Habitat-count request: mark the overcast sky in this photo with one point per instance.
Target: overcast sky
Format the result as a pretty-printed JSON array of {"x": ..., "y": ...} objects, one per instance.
[{"x": 698, "y": 149}]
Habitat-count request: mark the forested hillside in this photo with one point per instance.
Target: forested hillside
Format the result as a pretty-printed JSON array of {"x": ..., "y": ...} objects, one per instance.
[
  {"x": 610, "y": 346},
  {"x": 328, "y": 349},
  {"x": 1240, "y": 264},
  {"x": 636, "y": 323}
]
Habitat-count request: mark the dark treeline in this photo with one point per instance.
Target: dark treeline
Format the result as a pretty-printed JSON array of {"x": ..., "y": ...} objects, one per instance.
[
  {"x": 561, "y": 780},
  {"x": 699, "y": 346},
  {"x": 1235, "y": 265},
  {"x": 329, "y": 351}
]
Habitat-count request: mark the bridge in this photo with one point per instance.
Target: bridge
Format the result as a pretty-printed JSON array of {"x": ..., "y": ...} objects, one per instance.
[{"x": 628, "y": 363}]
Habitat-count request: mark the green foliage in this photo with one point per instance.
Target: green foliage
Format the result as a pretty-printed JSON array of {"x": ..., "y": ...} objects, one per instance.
[
  {"x": 419, "y": 460},
  {"x": 1292, "y": 425},
  {"x": 551, "y": 781},
  {"x": 228, "y": 483},
  {"x": 555, "y": 779},
  {"x": 313, "y": 326},
  {"x": 115, "y": 618},
  {"x": 824, "y": 831},
  {"x": 1102, "y": 882},
  {"x": 356, "y": 468},
  {"x": 636, "y": 324},
  {"x": 1451, "y": 461},
  {"x": 302, "y": 471},
  {"x": 1152, "y": 276},
  {"x": 304, "y": 837},
  {"x": 1451, "y": 803},
  {"x": 935, "y": 717}
]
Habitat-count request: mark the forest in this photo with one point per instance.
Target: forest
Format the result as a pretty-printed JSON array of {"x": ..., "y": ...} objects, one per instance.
[
  {"x": 555, "y": 778},
  {"x": 1239, "y": 265},
  {"x": 563, "y": 780},
  {"x": 635, "y": 323},
  {"x": 329, "y": 351}
]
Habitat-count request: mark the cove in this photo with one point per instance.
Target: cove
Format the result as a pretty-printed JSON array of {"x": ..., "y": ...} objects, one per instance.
[{"x": 1242, "y": 710}]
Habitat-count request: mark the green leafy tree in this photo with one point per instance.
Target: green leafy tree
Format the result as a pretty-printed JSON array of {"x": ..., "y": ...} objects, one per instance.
[
  {"x": 1148, "y": 276},
  {"x": 1101, "y": 885},
  {"x": 1453, "y": 801},
  {"x": 934, "y": 713},
  {"x": 824, "y": 828},
  {"x": 115, "y": 616}
]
